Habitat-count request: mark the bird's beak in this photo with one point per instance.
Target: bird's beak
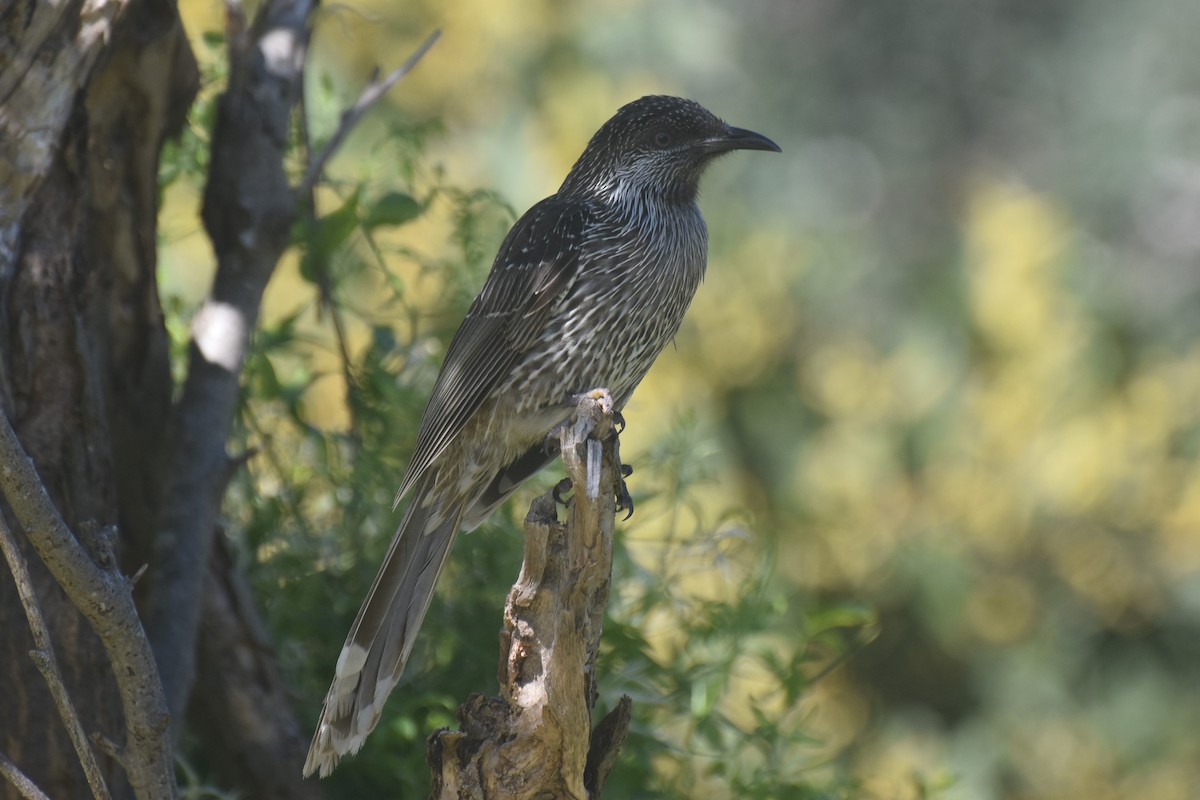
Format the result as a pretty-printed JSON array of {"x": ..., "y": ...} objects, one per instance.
[{"x": 739, "y": 139}]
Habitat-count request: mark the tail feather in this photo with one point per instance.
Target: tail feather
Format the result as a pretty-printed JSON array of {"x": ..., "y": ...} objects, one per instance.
[{"x": 381, "y": 639}]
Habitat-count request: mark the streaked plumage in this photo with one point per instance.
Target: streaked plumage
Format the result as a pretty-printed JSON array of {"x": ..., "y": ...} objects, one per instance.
[{"x": 588, "y": 287}]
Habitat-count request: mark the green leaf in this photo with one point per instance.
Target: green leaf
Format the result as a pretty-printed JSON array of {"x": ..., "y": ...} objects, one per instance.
[
  {"x": 327, "y": 236},
  {"x": 394, "y": 208},
  {"x": 265, "y": 380},
  {"x": 843, "y": 615},
  {"x": 335, "y": 228}
]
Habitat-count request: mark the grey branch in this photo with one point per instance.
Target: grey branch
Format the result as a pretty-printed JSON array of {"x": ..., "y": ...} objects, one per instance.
[
  {"x": 248, "y": 210},
  {"x": 20, "y": 781},
  {"x": 103, "y": 596},
  {"x": 536, "y": 738}
]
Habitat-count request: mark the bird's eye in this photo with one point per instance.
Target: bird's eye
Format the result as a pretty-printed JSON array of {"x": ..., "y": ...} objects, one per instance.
[{"x": 662, "y": 138}]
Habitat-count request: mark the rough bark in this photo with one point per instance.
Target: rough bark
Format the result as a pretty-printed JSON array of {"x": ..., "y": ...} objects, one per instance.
[
  {"x": 535, "y": 740},
  {"x": 46, "y": 660},
  {"x": 89, "y": 91},
  {"x": 85, "y": 569},
  {"x": 87, "y": 94}
]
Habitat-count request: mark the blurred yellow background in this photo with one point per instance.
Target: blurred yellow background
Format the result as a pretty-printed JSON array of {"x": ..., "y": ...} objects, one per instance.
[{"x": 945, "y": 362}]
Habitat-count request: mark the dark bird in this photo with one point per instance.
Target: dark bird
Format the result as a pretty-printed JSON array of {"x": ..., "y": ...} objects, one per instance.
[{"x": 587, "y": 289}]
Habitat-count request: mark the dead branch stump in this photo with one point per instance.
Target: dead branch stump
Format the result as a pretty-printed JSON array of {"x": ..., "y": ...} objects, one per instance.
[{"x": 535, "y": 739}]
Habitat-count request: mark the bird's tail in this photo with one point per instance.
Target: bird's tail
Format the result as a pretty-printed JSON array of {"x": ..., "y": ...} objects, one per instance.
[{"x": 381, "y": 638}]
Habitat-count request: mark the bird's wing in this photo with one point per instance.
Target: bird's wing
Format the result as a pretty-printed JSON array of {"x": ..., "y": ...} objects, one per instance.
[{"x": 537, "y": 263}]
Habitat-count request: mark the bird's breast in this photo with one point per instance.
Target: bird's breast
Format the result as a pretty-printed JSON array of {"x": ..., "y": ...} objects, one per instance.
[{"x": 636, "y": 278}]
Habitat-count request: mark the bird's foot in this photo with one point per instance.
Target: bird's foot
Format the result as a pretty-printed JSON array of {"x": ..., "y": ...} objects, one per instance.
[
  {"x": 601, "y": 395},
  {"x": 553, "y": 442}
]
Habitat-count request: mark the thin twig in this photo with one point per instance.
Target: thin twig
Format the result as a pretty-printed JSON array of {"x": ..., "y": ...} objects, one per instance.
[
  {"x": 303, "y": 129},
  {"x": 370, "y": 96},
  {"x": 108, "y": 747},
  {"x": 28, "y": 789},
  {"x": 339, "y": 330},
  {"x": 47, "y": 664}
]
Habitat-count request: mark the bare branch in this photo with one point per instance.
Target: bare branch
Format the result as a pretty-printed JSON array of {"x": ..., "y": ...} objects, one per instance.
[
  {"x": 28, "y": 789},
  {"x": 371, "y": 95},
  {"x": 104, "y": 598},
  {"x": 327, "y": 301},
  {"x": 47, "y": 665}
]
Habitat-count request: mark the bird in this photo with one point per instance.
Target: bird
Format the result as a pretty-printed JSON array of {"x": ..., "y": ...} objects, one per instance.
[{"x": 586, "y": 290}]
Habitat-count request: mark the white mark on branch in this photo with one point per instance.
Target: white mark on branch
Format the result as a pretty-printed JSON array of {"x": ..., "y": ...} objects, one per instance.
[
  {"x": 99, "y": 31},
  {"x": 281, "y": 52},
  {"x": 593, "y": 469},
  {"x": 220, "y": 332}
]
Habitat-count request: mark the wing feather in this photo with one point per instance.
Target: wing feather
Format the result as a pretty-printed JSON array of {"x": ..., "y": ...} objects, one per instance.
[{"x": 538, "y": 262}]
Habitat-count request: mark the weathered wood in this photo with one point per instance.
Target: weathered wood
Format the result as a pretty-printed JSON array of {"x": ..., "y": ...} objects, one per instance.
[
  {"x": 535, "y": 740},
  {"x": 47, "y": 53}
]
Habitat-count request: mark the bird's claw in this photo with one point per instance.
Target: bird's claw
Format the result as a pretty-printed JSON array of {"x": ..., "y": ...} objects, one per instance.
[
  {"x": 618, "y": 422},
  {"x": 624, "y": 499}
]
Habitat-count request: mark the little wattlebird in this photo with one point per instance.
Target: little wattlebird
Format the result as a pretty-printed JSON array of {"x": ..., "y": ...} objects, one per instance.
[{"x": 587, "y": 289}]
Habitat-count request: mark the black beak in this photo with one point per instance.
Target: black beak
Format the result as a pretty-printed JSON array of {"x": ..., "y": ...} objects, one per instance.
[{"x": 739, "y": 139}]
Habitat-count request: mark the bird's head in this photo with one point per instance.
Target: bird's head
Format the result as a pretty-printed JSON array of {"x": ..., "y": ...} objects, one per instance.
[{"x": 657, "y": 145}]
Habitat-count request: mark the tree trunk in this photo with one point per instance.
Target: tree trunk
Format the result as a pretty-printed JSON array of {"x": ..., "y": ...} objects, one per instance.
[
  {"x": 88, "y": 95},
  {"x": 83, "y": 351}
]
